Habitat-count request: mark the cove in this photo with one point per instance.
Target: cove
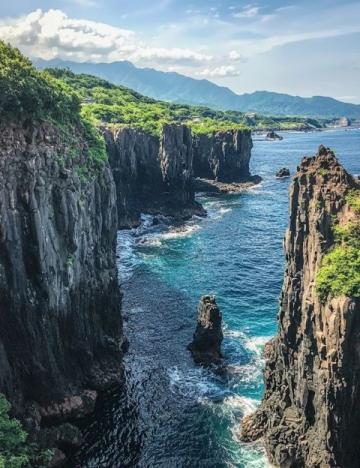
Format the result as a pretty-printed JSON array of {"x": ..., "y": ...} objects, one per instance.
[{"x": 171, "y": 413}]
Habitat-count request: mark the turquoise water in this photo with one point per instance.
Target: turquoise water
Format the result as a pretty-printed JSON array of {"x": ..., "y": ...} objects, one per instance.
[{"x": 171, "y": 413}]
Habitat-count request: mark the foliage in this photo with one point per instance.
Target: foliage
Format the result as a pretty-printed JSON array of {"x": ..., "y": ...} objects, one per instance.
[
  {"x": 15, "y": 450},
  {"x": 339, "y": 273},
  {"x": 208, "y": 126},
  {"x": 353, "y": 199},
  {"x": 26, "y": 92}
]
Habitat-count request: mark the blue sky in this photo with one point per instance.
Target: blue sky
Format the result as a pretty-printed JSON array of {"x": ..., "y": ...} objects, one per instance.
[{"x": 297, "y": 47}]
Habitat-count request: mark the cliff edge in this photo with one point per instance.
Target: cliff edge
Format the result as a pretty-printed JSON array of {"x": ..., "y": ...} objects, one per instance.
[{"x": 310, "y": 414}]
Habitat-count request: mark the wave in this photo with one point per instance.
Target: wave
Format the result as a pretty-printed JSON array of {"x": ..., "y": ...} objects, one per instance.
[{"x": 195, "y": 383}]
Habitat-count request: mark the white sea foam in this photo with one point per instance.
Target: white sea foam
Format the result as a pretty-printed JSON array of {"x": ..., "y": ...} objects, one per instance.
[
  {"x": 247, "y": 405},
  {"x": 183, "y": 231},
  {"x": 256, "y": 344},
  {"x": 192, "y": 383}
]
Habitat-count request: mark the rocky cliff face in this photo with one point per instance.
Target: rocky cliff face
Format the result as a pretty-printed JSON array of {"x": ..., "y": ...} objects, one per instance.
[
  {"x": 152, "y": 174},
  {"x": 60, "y": 322},
  {"x": 223, "y": 156},
  {"x": 310, "y": 412}
]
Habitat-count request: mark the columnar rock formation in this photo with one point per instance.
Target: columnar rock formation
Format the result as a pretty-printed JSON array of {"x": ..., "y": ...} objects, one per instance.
[
  {"x": 152, "y": 174},
  {"x": 60, "y": 321},
  {"x": 310, "y": 413},
  {"x": 223, "y": 156},
  {"x": 206, "y": 345}
]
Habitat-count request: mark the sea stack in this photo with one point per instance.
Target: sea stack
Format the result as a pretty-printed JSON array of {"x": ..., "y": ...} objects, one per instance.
[
  {"x": 283, "y": 172},
  {"x": 310, "y": 413},
  {"x": 208, "y": 336},
  {"x": 272, "y": 136}
]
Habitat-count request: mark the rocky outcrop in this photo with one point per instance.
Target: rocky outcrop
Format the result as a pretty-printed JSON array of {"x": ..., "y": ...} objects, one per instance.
[
  {"x": 310, "y": 413},
  {"x": 152, "y": 174},
  {"x": 223, "y": 156},
  {"x": 283, "y": 172},
  {"x": 60, "y": 321},
  {"x": 206, "y": 345},
  {"x": 272, "y": 136}
]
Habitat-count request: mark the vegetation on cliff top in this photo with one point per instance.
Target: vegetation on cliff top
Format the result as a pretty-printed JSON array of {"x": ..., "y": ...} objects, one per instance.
[
  {"x": 106, "y": 103},
  {"x": 15, "y": 450},
  {"x": 87, "y": 102},
  {"x": 28, "y": 94},
  {"x": 340, "y": 268}
]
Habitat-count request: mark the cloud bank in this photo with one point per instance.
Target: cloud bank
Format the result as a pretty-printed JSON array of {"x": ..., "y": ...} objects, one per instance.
[{"x": 50, "y": 34}]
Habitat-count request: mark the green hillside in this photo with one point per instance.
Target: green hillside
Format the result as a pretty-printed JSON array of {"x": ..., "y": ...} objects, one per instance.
[
  {"x": 85, "y": 102},
  {"x": 106, "y": 103},
  {"x": 177, "y": 88}
]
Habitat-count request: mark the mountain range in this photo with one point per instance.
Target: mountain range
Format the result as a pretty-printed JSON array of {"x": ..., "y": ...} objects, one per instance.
[{"x": 177, "y": 88}]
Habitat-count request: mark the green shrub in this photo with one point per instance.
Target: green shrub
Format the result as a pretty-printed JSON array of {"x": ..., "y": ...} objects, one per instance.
[
  {"x": 15, "y": 450},
  {"x": 353, "y": 199},
  {"x": 339, "y": 273}
]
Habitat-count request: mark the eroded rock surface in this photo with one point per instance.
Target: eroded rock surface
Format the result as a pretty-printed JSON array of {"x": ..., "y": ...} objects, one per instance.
[
  {"x": 310, "y": 412},
  {"x": 206, "y": 345}
]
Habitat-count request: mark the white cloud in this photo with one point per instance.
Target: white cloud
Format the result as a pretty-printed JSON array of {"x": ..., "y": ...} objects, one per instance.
[
  {"x": 53, "y": 34},
  {"x": 235, "y": 55},
  {"x": 219, "y": 72},
  {"x": 249, "y": 11}
]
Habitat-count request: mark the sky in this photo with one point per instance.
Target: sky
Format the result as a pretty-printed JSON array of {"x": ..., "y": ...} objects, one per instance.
[{"x": 300, "y": 47}]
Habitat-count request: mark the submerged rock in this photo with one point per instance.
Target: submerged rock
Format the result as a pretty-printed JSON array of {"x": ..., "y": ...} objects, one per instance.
[
  {"x": 283, "y": 172},
  {"x": 208, "y": 336},
  {"x": 273, "y": 136},
  {"x": 310, "y": 413}
]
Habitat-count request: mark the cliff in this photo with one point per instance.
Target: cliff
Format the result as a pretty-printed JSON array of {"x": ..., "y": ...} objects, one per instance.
[
  {"x": 152, "y": 174},
  {"x": 60, "y": 321},
  {"x": 310, "y": 415},
  {"x": 223, "y": 156}
]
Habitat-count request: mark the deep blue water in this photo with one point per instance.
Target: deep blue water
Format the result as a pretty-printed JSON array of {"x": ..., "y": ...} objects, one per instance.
[{"x": 171, "y": 413}]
